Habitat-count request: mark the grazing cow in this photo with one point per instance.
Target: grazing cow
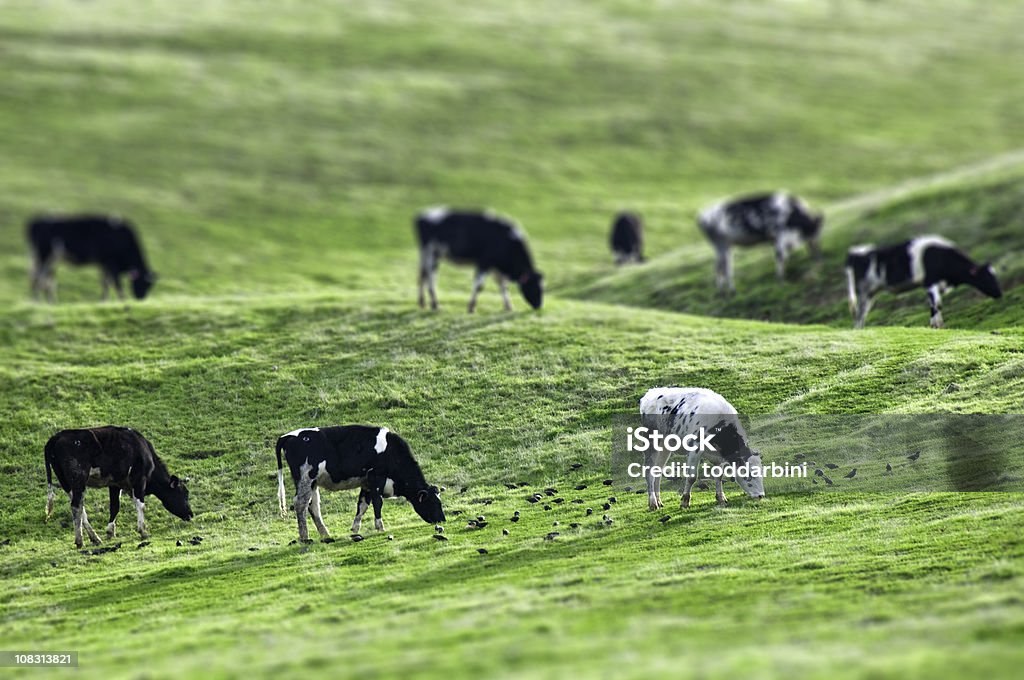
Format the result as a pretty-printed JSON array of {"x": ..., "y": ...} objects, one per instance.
[
  {"x": 929, "y": 262},
  {"x": 684, "y": 410},
  {"x": 372, "y": 459},
  {"x": 109, "y": 242},
  {"x": 483, "y": 239},
  {"x": 115, "y": 457},
  {"x": 627, "y": 238},
  {"x": 779, "y": 218}
]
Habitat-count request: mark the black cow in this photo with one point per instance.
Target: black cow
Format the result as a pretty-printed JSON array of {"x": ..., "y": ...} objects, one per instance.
[
  {"x": 115, "y": 457},
  {"x": 376, "y": 461},
  {"x": 109, "y": 242},
  {"x": 929, "y": 262},
  {"x": 778, "y": 218},
  {"x": 627, "y": 238},
  {"x": 483, "y": 239}
]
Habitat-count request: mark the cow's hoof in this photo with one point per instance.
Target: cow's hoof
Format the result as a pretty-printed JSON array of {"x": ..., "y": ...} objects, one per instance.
[{"x": 305, "y": 541}]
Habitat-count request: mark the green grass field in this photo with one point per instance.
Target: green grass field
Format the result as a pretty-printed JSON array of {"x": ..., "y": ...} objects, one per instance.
[{"x": 273, "y": 156}]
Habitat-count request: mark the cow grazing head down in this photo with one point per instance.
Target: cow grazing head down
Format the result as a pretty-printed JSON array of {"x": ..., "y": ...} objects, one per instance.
[
  {"x": 427, "y": 504},
  {"x": 141, "y": 282},
  {"x": 985, "y": 280},
  {"x": 754, "y": 486},
  {"x": 175, "y": 499},
  {"x": 531, "y": 285}
]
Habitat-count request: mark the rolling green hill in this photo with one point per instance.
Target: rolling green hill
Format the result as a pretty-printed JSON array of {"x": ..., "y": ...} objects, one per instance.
[{"x": 273, "y": 155}]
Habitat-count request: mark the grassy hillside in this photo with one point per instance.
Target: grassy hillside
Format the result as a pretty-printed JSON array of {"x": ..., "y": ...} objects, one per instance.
[{"x": 273, "y": 156}]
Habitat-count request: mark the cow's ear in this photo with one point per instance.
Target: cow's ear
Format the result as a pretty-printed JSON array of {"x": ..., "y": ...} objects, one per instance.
[
  {"x": 174, "y": 482},
  {"x": 421, "y": 495}
]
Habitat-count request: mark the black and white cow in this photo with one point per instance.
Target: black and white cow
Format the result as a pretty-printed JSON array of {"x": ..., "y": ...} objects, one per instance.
[
  {"x": 627, "y": 238},
  {"x": 109, "y": 242},
  {"x": 779, "y": 218},
  {"x": 929, "y": 262},
  {"x": 115, "y": 457},
  {"x": 684, "y": 410},
  {"x": 482, "y": 239},
  {"x": 372, "y": 459}
]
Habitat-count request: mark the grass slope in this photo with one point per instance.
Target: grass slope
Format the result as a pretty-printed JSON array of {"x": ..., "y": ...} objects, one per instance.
[{"x": 273, "y": 156}]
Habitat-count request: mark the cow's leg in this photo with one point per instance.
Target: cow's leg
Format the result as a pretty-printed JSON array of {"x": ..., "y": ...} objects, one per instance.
[
  {"x": 378, "y": 506},
  {"x": 314, "y": 512},
  {"x": 303, "y": 496},
  {"x": 77, "y": 505},
  {"x": 864, "y": 301},
  {"x": 692, "y": 459},
  {"x": 105, "y": 283},
  {"x": 935, "y": 302},
  {"x": 723, "y": 268},
  {"x": 118, "y": 287},
  {"x": 503, "y": 285},
  {"x": 93, "y": 536},
  {"x": 38, "y": 277},
  {"x": 814, "y": 248},
  {"x": 140, "y": 515},
  {"x": 655, "y": 459},
  {"x": 424, "y": 275},
  {"x": 115, "y": 507},
  {"x": 478, "y": 284},
  {"x": 435, "y": 260},
  {"x": 719, "y": 491},
  {"x": 781, "y": 252},
  {"x": 361, "y": 505}
]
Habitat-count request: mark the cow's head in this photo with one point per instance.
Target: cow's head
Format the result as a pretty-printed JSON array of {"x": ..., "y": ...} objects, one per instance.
[
  {"x": 141, "y": 282},
  {"x": 985, "y": 280},
  {"x": 175, "y": 499},
  {"x": 531, "y": 285},
  {"x": 753, "y": 485},
  {"x": 427, "y": 504}
]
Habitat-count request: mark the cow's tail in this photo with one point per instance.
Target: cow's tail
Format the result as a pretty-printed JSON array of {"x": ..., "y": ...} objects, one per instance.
[
  {"x": 49, "y": 483},
  {"x": 280, "y": 479}
]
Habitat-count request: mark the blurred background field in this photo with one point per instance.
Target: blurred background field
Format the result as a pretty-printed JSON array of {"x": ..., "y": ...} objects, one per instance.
[{"x": 273, "y": 156}]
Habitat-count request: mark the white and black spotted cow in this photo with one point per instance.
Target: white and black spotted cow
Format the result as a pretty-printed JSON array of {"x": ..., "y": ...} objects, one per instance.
[
  {"x": 684, "y": 410},
  {"x": 487, "y": 241},
  {"x": 929, "y": 262},
  {"x": 779, "y": 218},
  {"x": 372, "y": 459},
  {"x": 115, "y": 457},
  {"x": 109, "y": 242},
  {"x": 627, "y": 238}
]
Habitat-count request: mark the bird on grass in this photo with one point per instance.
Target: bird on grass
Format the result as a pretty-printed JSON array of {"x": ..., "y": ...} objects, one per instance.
[
  {"x": 914, "y": 456},
  {"x": 888, "y": 467},
  {"x": 851, "y": 474}
]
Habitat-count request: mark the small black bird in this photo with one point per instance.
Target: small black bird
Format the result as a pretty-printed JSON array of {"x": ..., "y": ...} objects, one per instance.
[
  {"x": 547, "y": 507},
  {"x": 551, "y": 491},
  {"x": 819, "y": 473},
  {"x": 480, "y": 518},
  {"x": 827, "y": 480},
  {"x": 815, "y": 481},
  {"x": 608, "y": 482},
  {"x": 551, "y": 536},
  {"x": 555, "y": 523},
  {"x": 441, "y": 537},
  {"x": 481, "y": 525},
  {"x": 558, "y": 501},
  {"x": 531, "y": 499},
  {"x": 577, "y": 501},
  {"x": 512, "y": 487},
  {"x": 471, "y": 524},
  {"x": 888, "y": 467},
  {"x": 851, "y": 474},
  {"x": 665, "y": 518},
  {"x": 799, "y": 456},
  {"x": 329, "y": 539},
  {"x": 831, "y": 466},
  {"x": 606, "y": 506},
  {"x": 463, "y": 489},
  {"x": 608, "y": 522},
  {"x": 574, "y": 525},
  {"x": 504, "y": 532},
  {"x": 358, "y": 537},
  {"x": 576, "y": 466},
  {"x": 590, "y": 511},
  {"x": 438, "y": 528},
  {"x": 914, "y": 456},
  {"x": 581, "y": 487},
  {"x": 514, "y": 518},
  {"x": 391, "y": 537},
  {"x": 482, "y": 551}
]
